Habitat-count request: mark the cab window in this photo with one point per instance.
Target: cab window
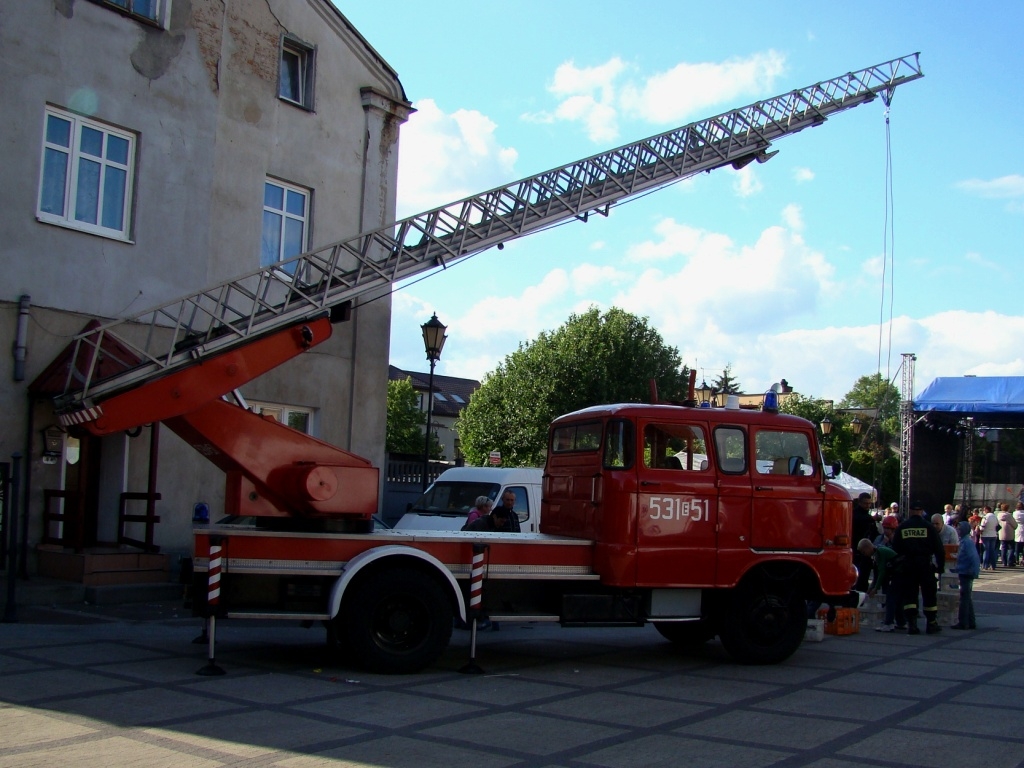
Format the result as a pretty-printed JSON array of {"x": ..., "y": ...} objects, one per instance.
[
  {"x": 576, "y": 437},
  {"x": 782, "y": 453},
  {"x": 618, "y": 444},
  {"x": 731, "y": 450},
  {"x": 678, "y": 447}
]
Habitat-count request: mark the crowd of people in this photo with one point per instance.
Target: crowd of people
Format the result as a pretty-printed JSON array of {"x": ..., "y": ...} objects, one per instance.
[{"x": 903, "y": 557}]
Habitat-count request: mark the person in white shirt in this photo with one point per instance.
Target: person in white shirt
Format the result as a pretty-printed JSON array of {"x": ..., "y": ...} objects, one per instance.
[
  {"x": 1018, "y": 515},
  {"x": 988, "y": 530}
]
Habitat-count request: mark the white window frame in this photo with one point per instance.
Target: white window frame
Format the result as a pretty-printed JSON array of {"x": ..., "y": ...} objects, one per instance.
[
  {"x": 161, "y": 10},
  {"x": 67, "y": 216},
  {"x": 285, "y": 217},
  {"x": 282, "y": 412},
  {"x": 305, "y": 56}
]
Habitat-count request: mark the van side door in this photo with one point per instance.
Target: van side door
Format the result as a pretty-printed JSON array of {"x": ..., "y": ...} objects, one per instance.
[
  {"x": 678, "y": 509},
  {"x": 526, "y": 507}
]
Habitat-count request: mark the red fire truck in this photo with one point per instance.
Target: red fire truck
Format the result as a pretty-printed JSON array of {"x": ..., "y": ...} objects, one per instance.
[{"x": 702, "y": 521}]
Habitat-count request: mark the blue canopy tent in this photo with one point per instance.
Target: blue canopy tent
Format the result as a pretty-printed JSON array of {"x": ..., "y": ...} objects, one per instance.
[
  {"x": 994, "y": 401},
  {"x": 948, "y": 414}
]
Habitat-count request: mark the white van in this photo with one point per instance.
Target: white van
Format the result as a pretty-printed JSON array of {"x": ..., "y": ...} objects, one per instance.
[{"x": 446, "y": 503}]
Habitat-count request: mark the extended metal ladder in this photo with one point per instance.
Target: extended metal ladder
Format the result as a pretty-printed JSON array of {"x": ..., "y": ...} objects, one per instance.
[{"x": 183, "y": 332}]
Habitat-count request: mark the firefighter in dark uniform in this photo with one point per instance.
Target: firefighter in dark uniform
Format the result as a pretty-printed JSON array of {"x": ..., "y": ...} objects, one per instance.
[{"x": 919, "y": 543}]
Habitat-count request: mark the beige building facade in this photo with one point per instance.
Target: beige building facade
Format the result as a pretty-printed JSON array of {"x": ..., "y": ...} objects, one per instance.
[{"x": 153, "y": 148}]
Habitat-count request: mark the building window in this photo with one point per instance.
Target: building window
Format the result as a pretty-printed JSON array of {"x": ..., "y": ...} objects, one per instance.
[
  {"x": 148, "y": 10},
  {"x": 87, "y": 174},
  {"x": 291, "y": 415},
  {"x": 296, "y": 83},
  {"x": 285, "y": 222}
]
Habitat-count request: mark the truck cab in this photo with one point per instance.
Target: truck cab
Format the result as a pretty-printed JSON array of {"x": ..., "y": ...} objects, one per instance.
[
  {"x": 726, "y": 503},
  {"x": 446, "y": 503}
]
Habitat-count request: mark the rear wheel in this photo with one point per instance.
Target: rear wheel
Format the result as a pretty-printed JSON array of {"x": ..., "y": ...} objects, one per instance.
[
  {"x": 763, "y": 622},
  {"x": 395, "y": 621},
  {"x": 685, "y": 634}
]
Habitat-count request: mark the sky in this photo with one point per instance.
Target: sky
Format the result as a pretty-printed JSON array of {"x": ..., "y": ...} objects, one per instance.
[{"x": 856, "y": 243}]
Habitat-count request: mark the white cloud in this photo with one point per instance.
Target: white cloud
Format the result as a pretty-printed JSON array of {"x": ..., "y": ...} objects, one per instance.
[
  {"x": 1004, "y": 187},
  {"x": 597, "y": 96},
  {"x": 688, "y": 90},
  {"x": 446, "y": 157},
  {"x": 745, "y": 182},
  {"x": 704, "y": 283},
  {"x": 721, "y": 302},
  {"x": 801, "y": 175},
  {"x": 792, "y": 215}
]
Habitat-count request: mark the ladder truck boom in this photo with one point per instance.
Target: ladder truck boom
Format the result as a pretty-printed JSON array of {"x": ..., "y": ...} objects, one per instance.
[{"x": 115, "y": 372}]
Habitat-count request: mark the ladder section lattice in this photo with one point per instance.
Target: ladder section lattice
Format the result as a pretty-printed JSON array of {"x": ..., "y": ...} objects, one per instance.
[{"x": 188, "y": 329}]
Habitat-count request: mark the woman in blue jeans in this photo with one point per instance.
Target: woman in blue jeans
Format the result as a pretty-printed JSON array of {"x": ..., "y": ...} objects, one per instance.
[
  {"x": 989, "y": 530},
  {"x": 968, "y": 568}
]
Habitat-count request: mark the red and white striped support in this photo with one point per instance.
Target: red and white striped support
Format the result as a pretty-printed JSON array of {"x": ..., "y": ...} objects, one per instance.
[
  {"x": 476, "y": 580},
  {"x": 212, "y": 602},
  {"x": 476, "y": 593},
  {"x": 213, "y": 589}
]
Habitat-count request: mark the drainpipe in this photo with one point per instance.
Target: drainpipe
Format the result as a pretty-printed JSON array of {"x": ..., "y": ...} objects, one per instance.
[
  {"x": 27, "y": 489},
  {"x": 21, "y": 337}
]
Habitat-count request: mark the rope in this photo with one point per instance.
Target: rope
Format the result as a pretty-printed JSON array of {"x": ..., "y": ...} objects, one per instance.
[{"x": 888, "y": 268}]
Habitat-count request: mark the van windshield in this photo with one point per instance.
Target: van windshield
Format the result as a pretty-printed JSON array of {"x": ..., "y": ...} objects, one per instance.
[{"x": 453, "y": 498}]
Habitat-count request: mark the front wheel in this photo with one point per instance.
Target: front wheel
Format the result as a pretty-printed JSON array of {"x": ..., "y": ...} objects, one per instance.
[
  {"x": 396, "y": 621},
  {"x": 763, "y": 624}
]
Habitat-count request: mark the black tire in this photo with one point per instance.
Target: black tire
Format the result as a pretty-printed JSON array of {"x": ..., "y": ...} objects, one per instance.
[
  {"x": 685, "y": 634},
  {"x": 763, "y": 623},
  {"x": 395, "y": 621}
]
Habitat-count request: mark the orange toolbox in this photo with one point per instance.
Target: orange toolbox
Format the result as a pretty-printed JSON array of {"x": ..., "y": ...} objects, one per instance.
[{"x": 847, "y": 621}]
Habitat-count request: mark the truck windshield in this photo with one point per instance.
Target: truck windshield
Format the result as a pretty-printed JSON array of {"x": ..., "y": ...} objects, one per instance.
[{"x": 453, "y": 498}]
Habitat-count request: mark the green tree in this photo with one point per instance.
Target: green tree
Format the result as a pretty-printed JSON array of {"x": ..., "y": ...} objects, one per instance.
[
  {"x": 875, "y": 456},
  {"x": 840, "y": 442},
  {"x": 874, "y": 391},
  {"x": 725, "y": 384},
  {"x": 592, "y": 359},
  {"x": 405, "y": 421}
]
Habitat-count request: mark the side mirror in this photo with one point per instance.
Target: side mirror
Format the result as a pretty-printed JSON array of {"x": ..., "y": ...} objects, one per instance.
[{"x": 836, "y": 467}]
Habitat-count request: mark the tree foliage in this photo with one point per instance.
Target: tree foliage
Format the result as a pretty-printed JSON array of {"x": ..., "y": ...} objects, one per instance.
[
  {"x": 405, "y": 422},
  {"x": 405, "y": 419},
  {"x": 726, "y": 384},
  {"x": 874, "y": 391},
  {"x": 592, "y": 359}
]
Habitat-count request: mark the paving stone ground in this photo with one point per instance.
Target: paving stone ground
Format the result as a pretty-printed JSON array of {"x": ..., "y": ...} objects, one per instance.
[{"x": 117, "y": 686}]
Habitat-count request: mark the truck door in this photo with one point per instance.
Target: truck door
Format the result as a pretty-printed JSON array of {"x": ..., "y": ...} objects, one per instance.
[
  {"x": 787, "y": 503},
  {"x": 678, "y": 510},
  {"x": 732, "y": 463}
]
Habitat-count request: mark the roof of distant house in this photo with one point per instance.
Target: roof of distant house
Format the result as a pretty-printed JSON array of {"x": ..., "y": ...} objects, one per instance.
[{"x": 451, "y": 394}]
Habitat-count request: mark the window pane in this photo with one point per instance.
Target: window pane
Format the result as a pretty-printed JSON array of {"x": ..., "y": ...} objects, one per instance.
[
  {"x": 88, "y": 194},
  {"x": 293, "y": 229},
  {"x": 298, "y": 420},
  {"x": 58, "y": 131},
  {"x": 273, "y": 196},
  {"x": 270, "y": 249},
  {"x": 91, "y": 142},
  {"x": 145, "y": 8},
  {"x": 117, "y": 149},
  {"x": 291, "y": 75},
  {"x": 55, "y": 171},
  {"x": 296, "y": 203},
  {"x": 113, "y": 198}
]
